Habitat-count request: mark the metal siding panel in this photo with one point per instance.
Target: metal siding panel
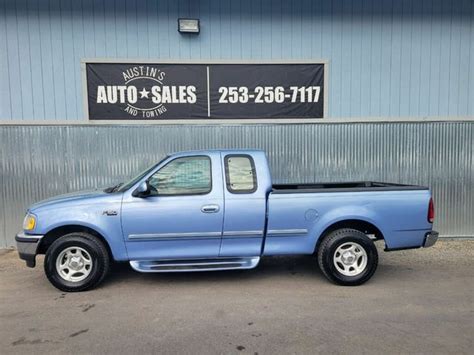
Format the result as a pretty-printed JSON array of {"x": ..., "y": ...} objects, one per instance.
[
  {"x": 57, "y": 61},
  {"x": 131, "y": 27},
  {"x": 405, "y": 80},
  {"x": 276, "y": 35},
  {"x": 152, "y": 43},
  {"x": 359, "y": 82},
  {"x": 326, "y": 31},
  {"x": 336, "y": 78},
  {"x": 412, "y": 105},
  {"x": 24, "y": 59},
  {"x": 214, "y": 28},
  {"x": 13, "y": 60},
  {"x": 363, "y": 86},
  {"x": 5, "y": 91},
  {"x": 246, "y": 29},
  {"x": 395, "y": 60},
  {"x": 316, "y": 30},
  {"x": 36, "y": 61},
  {"x": 346, "y": 58},
  {"x": 110, "y": 34},
  {"x": 235, "y": 34},
  {"x": 256, "y": 16},
  {"x": 142, "y": 30},
  {"x": 446, "y": 64},
  {"x": 88, "y": 28},
  {"x": 454, "y": 82},
  {"x": 59, "y": 159},
  {"x": 4, "y": 240},
  {"x": 424, "y": 94},
  {"x": 285, "y": 30},
  {"x": 436, "y": 51},
  {"x": 296, "y": 30},
  {"x": 376, "y": 60},
  {"x": 184, "y": 41},
  {"x": 306, "y": 25},
  {"x": 460, "y": 83},
  {"x": 71, "y": 67},
  {"x": 386, "y": 58},
  {"x": 78, "y": 52},
  {"x": 225, "y": 30},
  {"x": 386, "y": 69},
  {"x": 195, "y": 45},
  {"x": 121, "y": 28},
  {"x": 471, "y": 62},
  {"x": 205, "y": 19},
  {"x": 264, "y": 40},
  {"x": 97, "y": 12}
]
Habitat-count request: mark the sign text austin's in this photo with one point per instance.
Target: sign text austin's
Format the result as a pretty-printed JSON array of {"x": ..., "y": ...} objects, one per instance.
[{"x": 124, "y": 91}]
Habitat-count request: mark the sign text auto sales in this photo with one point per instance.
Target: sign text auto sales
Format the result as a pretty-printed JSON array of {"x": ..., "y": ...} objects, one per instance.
[
  {"x": 187, "y": 91},
  {"x": 159, "y": 94}
]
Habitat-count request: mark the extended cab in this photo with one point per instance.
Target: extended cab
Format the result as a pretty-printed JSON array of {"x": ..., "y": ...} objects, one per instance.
[{"x": 218, "y": 210}]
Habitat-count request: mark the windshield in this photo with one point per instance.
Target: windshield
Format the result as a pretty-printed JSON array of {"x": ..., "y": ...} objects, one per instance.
[{"x": 125, "y": 186}]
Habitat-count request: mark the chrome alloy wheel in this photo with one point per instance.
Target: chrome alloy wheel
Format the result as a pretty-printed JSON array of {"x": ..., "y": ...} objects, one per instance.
[
  {"x": 74, "y": 264},
  {"x": 350, "y": 259}
]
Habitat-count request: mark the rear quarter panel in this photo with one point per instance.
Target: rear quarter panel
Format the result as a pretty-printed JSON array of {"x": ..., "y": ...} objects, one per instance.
[{"x": 401, "y": 216}]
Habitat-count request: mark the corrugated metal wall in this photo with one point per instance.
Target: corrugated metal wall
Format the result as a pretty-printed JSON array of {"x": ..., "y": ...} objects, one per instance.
[
  {"x": 37, "y": 162},
  {"x": 387, "y": 58}
]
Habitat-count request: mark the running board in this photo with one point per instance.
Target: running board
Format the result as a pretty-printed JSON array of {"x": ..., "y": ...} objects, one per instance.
[{"x": 195, "y": 264}]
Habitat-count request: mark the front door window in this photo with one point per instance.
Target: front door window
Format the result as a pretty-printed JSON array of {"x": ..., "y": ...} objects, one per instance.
[{"x": 183, "y": 176}]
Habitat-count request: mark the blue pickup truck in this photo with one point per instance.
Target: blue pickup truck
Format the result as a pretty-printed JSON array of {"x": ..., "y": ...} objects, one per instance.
[{"x": 218, "y": 210}]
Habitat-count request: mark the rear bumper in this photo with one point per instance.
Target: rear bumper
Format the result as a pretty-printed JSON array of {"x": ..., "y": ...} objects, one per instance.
[
  {"x": 27, "y": 246},
  {"x": 430, "y": 239}
]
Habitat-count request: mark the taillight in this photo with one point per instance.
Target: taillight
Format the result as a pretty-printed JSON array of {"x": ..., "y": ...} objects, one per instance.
[{"x": 431, "y": 213}]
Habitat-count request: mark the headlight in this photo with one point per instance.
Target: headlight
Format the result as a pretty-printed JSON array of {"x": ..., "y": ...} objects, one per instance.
[{"x": 29, "y": 222}]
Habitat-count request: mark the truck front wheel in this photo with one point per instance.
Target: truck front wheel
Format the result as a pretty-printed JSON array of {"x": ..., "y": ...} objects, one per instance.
[
  {"x": 347, "y": 257},
  {"x": 76, "y": 262}
]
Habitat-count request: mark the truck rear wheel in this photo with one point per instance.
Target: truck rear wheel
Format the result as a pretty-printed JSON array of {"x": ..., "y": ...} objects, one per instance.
[
  {"x": 347, "y": 257},
  {"x": 76, "y": 262}
]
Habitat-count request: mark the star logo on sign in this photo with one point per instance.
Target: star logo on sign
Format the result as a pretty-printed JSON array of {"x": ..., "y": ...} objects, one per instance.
[{"x": 144, "y": 93}]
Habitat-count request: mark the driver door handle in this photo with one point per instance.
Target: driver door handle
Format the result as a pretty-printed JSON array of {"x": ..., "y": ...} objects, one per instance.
[{"x": 210, "y": 208}]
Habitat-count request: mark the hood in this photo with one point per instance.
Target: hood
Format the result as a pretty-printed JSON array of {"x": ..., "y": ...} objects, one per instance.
[{"x": 75, "y": 197}]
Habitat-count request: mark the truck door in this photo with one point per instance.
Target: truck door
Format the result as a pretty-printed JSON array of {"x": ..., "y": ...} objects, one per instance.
[
  {"x": 245, "y": 207},
  {"x": 182, "y": 217}
]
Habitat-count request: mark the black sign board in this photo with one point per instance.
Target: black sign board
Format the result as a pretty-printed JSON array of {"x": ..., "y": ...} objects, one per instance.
[{"x": 148, "y": 91}]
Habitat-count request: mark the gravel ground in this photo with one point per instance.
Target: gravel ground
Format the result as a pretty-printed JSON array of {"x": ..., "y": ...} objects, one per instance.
[{"x": 419, "y": 301}]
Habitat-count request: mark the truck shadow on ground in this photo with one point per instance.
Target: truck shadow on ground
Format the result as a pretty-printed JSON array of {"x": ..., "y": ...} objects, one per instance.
[{"x": 298, "y": 266}]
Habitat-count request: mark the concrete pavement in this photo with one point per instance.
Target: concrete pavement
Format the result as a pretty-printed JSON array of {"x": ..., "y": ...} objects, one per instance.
[{"x": 419, "y": 301}]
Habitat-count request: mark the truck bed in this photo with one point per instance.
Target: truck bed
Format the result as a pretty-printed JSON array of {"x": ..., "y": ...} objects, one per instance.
[{"x": 342, "y": 187}]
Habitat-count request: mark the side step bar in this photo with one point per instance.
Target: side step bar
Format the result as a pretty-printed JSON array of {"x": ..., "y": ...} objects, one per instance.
[{"x": 195, "y": 264}]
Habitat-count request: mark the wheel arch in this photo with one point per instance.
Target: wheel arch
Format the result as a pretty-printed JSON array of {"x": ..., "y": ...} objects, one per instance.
[
  {"x": 361, "y": 225},
  {"x": 57, "y": 232}
]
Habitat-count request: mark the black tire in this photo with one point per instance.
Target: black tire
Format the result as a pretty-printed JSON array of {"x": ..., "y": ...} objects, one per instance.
[
  {"x": 332, "y": 242},
  {"x": 97, "y": 251}
]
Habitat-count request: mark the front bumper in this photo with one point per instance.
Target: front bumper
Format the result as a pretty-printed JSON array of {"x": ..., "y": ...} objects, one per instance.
[
  {"x": 430, "y": 239},
  {"x": 27, "y": 245}
]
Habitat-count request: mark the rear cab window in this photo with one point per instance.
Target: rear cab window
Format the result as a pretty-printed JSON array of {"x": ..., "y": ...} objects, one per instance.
[{"x": 241, "y": 177}]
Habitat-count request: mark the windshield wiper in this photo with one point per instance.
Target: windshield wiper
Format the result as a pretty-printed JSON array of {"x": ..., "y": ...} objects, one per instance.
[
  {"x": 116, "y": 187},
  {"x": 113, "y": 188}
]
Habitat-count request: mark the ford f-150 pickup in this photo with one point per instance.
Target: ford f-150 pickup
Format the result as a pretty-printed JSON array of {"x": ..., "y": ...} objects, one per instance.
[{"x": 218, "y": 210}]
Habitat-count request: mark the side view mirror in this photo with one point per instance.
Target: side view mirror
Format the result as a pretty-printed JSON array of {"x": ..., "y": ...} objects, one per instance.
[{"x": 142, "y": 190}]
